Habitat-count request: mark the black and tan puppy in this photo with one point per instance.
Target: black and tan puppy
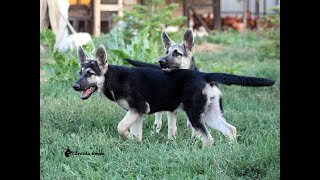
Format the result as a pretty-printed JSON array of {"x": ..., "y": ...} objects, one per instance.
[{"x": 146, "y": 90}]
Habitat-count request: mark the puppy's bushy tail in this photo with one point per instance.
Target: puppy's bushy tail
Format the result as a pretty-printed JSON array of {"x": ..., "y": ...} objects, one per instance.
[
  {"x": 231, "y": 79},
  {"x": 142, "y": 64}
]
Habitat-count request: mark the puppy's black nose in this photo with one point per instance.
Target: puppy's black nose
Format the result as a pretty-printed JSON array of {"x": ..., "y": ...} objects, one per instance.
[
  {"x": 76, "y": 86},
  {"x": 162, "y": 62}
]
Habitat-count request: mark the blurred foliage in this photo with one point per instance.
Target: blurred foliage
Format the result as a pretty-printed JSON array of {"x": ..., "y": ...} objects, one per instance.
[
  {"x": 141, "y": 47},
  {"x": 271, "y": 31},
  {"x": 155, "y": 14},
  {"x": 139, "y": 38}
]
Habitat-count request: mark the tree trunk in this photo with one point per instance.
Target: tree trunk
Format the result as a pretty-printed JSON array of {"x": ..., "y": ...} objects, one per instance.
[
  {"x": 216, "y": 14},
  {"x": 257, "y": 9},
  {"x": 264, "y": 7},
  {"x": 186, "y": 12}
]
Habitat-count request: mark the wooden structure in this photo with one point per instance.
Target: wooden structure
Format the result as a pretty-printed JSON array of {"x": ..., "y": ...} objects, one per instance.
[
  {"x": 93, "y": 16},
  {"x": 190, "y": 5},
  {"x": 80, "y": 16},
  {"x": 216, "y": 13},
  {"x": 101, "y": 6},
  {"x": 222, "y": 9}
]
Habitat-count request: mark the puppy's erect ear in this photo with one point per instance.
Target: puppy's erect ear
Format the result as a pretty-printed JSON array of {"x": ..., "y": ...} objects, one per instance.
[
  {"x": 188, "y": 39},
  {"x": 167, "y": 42},
  {"x": 101, "y": 57},
  {"x": 82, "y": 57}
]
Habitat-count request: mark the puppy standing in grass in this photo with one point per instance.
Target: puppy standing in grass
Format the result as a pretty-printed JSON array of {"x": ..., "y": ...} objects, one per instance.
[
  {"x": 134, "y": 88},
  {"x": 180, "y": 56}
]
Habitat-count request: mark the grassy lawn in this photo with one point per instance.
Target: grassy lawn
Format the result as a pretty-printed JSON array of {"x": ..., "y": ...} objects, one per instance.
[{"x": 66, "y": 121}]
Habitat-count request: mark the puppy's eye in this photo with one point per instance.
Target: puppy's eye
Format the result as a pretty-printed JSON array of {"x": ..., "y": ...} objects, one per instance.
[
  {"x": 80, "y": 72},
  {"x": 175, "y": 53},
  {"x": 167, "y": 52},
  {"x": 90, "y": 73}
]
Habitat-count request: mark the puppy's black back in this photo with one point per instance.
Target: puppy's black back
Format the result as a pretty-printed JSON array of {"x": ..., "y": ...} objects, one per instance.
[{"x": 162, "y": 90}]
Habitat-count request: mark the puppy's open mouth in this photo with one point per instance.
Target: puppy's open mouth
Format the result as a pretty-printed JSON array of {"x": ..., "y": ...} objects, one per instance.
[
  {"x": 166, "y": 69},
  {"x": 87, "y": 92}
]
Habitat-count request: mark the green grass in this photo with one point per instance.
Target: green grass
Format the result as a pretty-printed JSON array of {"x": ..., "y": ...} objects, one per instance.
[{"x": 90, "y": 125}]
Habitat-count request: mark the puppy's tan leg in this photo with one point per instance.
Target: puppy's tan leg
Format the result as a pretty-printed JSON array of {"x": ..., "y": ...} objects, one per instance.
[
  {"x": 158, "y": 121},
  {"x": 207, "y": 140},
  {"x": 194, "y": 132},
  {"x": 197, "y": 123},
  {"x": 127, "y": 122},
  {"x": 172, "y": 124},
  {"x": 204, "y": 135},
  {"x": 136, "y": 129}
]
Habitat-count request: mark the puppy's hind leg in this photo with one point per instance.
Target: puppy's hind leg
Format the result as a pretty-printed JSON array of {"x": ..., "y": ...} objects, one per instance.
[
  {"x": 194, "y": 106},
  {"x": 215, "y": 119},
  {"x": 200, "y": 128},
  {"x": 194, "y": 132},
  {"x": 158, "y": 122}
]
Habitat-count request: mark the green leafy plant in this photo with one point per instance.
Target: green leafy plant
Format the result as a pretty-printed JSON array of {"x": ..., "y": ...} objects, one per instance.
[
  {"x": 65, "y": 65},
  {"x": 144, "y": 46},
  {"x": 141, "y": 47},
  {"x": 154, "y": 14},
  {"x": 48, "y": 38}
]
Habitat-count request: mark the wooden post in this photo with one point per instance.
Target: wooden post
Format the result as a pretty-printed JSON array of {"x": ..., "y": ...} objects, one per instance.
[
  {"x": 216, "y": 14},
  {"x": 264, "y": 7},
  {"x": 257, "y": 9},
  {"x": 244, "y": 22},
  {"x": 186, "y": 12},
  {"x": 96, "y": 18},
  {"x": 120, "y": 11},
  {"x": 244, "y": 14}
]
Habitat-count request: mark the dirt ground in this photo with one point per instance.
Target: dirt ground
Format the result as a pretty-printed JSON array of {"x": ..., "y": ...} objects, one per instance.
[{"x": 208, "y": 47}]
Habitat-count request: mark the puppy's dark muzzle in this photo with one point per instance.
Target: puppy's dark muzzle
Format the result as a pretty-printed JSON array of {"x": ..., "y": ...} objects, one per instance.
[{"x": 76, "y": 87}]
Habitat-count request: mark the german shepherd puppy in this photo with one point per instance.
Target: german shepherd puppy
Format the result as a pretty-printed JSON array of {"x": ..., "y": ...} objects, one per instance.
[
  {"x": 134, "y": 90},
  {"x": 180, "y": 56}
]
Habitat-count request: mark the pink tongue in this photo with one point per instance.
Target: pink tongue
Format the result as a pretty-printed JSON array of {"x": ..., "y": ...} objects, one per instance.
[{"x": 86, "y": 92}]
